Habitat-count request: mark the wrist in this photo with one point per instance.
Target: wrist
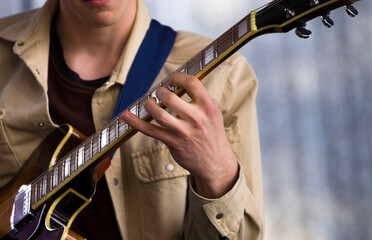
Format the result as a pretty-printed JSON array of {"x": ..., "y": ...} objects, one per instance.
[{"x": 220, "y": 184}]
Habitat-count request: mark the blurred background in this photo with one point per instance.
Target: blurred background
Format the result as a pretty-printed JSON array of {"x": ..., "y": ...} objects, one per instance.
[{"x": 314, "y": 109}]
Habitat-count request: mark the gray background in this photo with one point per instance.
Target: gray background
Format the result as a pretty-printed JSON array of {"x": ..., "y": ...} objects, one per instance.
[{"x": 314, "y": 110}]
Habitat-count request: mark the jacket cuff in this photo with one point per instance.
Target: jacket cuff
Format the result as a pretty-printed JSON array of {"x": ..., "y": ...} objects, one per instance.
[{"x": 227, "y": 212}]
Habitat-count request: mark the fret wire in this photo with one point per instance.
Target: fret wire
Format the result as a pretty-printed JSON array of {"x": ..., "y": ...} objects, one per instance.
[
  {"x": 55, "y": 175},
  {"x": 104, "y": 138},
  {"x": 63, "y": 171},
  {"x": 87, "y": 150},
  {"x": 108, "y": 135},
  {"x": 141, "y": 103},
  {"x": 75, "y": 159},
  {"x": 99, "y": 141},
  {"x": 235, "y": 32},
  {"x": 81, "y": 155},
  {"x": 143, "y": 112},
  {"x": 76, "y": 155},
  {"x": 122, "y": 127},
  {"x": 33, "y": 193},
  {"x": 95, "y": 143},
  {"x": 183, "y": 68},
  {"x": 51, "y": 175},
  {"x": 224, "y": 43},
  {"x": 117, "y": 127},
  {"x": 215, "y": 49},
  {"x": 59, "y": 173},
  {"x": 208, "y": 55},
  {"x": 38, "y": 190},
  {"x": 194, "y": 66},
  {"x": 112, "y": 136},
  {"x": 67, "y": 172},
  {"x": 50, "y": 184},
  {"x": 73, "y": 168},
  {"x": 137, "y": 109},
  {"x": 41, "y": 189},
  {"x": 91, "y": 147},
  {"x": 232, "y": 38},
  {"x": 34, "y": 188},
  {"x": 44, "y": 186}
]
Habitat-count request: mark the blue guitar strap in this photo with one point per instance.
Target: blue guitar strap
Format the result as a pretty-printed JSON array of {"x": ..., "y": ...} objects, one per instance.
[
  {"x": 147, "y": 64},
  {"x": 150, "y": 58}
]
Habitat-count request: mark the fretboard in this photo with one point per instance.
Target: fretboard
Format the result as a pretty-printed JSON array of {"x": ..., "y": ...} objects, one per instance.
[{"x": 116, "y": 131}]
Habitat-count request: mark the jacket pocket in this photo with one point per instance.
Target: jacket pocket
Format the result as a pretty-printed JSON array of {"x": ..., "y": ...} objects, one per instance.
[
  {"x": 156, "y": 163},
  {"x": 9, "y": 164}
]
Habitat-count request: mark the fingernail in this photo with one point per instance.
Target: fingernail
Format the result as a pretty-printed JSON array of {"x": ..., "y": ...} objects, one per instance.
[
  {"x": 161, "y": 94},
  {"x": 126, "y": 117}
]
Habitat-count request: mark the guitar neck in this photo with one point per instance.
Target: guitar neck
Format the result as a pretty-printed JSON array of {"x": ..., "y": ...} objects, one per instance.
[
  {"x": 105, "y": 141},
  {"x": 277, "y": 16}
]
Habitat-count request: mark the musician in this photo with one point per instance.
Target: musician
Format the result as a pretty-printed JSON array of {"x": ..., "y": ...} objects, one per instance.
[{"x": 194, "y": 172}]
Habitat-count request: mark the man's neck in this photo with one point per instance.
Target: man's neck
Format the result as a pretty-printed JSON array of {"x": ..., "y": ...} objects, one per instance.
[{"x": 93, "y": 51}]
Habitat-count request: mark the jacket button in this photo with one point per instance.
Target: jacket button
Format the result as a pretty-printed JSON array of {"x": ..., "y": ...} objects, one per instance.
[
  {"x": 40, "y": 124},
  {"x": 169, "y": 167},
  {"x": 116, "y": 181},
  {"x": 104, "y": 120},
  {"x": 219, "y": 216}
]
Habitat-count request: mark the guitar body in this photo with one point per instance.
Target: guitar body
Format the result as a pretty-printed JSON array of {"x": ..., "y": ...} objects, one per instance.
[
  {"x": 53, "y": 218},
  {"x": 60, "y": 177}
]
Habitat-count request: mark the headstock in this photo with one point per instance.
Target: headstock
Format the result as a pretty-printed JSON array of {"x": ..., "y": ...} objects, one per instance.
[{"x": 285, "y": 15}]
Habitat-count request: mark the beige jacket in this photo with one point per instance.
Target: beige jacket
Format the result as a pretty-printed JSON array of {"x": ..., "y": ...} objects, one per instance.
[{"x": 148, "y": 188}]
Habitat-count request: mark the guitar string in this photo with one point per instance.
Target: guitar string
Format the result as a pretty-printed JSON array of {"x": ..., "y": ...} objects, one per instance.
[
  {"x": 223, "y": 45},
  {"x": 223, "y": 42},
  {"x": 58, "y": 168}
]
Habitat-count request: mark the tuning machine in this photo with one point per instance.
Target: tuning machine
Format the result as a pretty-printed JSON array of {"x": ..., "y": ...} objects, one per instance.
[
  {"x": 351, "y": 11},
  {"x": 302, "y": 32},
  {"x": 326, "y": 20}
]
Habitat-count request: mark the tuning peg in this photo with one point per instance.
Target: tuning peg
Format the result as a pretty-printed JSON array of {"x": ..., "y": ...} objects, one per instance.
[
  {"x": 327, "y": 21},
  {"x": 302, "y": 32},
  {"x": 350, "y": 9}
]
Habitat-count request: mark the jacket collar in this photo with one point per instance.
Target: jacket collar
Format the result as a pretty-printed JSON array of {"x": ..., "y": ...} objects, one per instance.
[
  {"x": 27, "y": 28},
  {"x": 139, "y": 30},
  {"x": 31, "y": 28}
]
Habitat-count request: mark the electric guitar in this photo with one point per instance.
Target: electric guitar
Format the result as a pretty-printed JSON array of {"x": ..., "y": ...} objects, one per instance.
[{"x": 42, "y": 203}]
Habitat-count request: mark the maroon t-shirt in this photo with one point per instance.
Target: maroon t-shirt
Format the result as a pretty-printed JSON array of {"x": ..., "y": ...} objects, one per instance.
[{"x": 70, "y": 102}]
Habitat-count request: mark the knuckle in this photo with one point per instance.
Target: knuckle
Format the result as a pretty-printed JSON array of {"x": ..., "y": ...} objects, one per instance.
[
  {"x": 161, "y": 117},
  {"x": 192, "y": 82}
]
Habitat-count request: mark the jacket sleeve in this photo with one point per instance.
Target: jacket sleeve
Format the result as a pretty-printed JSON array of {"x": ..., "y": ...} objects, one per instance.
[{"x": 239, "y": 213}]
